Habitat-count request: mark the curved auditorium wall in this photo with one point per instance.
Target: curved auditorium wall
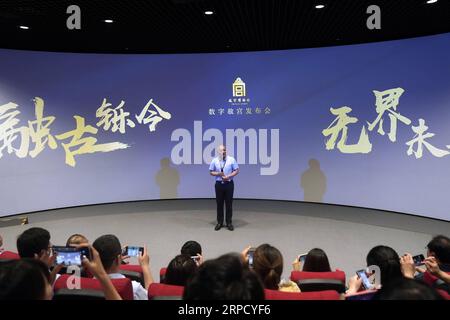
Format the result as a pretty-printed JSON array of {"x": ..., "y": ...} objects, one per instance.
[{"x": 362, "y": 125}]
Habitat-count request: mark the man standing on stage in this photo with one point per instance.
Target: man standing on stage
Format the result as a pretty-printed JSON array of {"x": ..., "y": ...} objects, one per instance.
[{"x": 224, "y": 168}]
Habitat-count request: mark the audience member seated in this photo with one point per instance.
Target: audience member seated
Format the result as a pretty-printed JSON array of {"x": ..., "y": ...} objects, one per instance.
[
  {"x": 433, "y": 268},
  {"x": 406, "y": 289},
  {"x": 25, "y": 279},
  {"x": 193, "y": 249},
  {"x": 268, "y": 265},
  {"x": 227, "y": 277},
  {"x": 224, "y": 278},
  {"x": 95, "y": 267},
  {"x": 76, "y": 239},
  {"x": 316, "y": 274},
  {"x": 110, "y": 251},
  {"x": 389, "y": 263},
  {"x": 179, "y": 270},
  {"x": 316, "y": 261},
  {"x": 439, "y": 249},
  {"x": 433, "y": 275},
  {"x": 35, "y": 243}
]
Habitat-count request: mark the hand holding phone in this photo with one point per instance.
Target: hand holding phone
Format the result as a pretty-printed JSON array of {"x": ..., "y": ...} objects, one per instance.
[
  {"x": 250, "y": 254},
  {"x": 68, "y": 256},
  {"x": 196, "y": 259},
  {"x": 418, "y": 260},
  {"x": 298, "y": 263},
  {"x": 133, "y": 251},
  {"x": 302, "y": 258},
  {"x": 364, "y": 279}
]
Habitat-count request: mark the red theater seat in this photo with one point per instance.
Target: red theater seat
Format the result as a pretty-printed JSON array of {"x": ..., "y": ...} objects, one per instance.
[
  {"x": 302, "y": 275},
  {"x": 430, "y": 279},
  {"x": 131, "y": 267},
  {"x": 444, "y": 294},
  {"x": 162, "y": 291},
  {"x": 162, "y": 274},
  {"x": 9, "y": 255},
  {"x": 319, "y": 281},
  {"x": 123, "y": 286},
  {"x": 318, "y": 295}
]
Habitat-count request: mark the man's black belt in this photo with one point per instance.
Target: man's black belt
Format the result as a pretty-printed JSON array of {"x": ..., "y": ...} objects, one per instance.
[{"x": 224, "y": 182}]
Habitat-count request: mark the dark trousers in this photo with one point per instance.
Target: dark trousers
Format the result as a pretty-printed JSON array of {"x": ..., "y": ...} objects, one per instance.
[{"x": 224, "y": 193}]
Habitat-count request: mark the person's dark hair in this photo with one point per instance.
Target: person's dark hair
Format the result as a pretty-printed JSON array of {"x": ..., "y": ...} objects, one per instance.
[
  {"x": 316, "y": 261},
  {"x": 440, "y": 246},
  {"x": 108, "y": 247},
  {"x": 24, "y": 279},
  {"x": 179, "y": 270},
  {"x": 224, "y": 278},
  {"x": 191, "y": 248},
  {"x": 76, "y": 239},
  {"x": 268, "y": 265},
  {"x": 33, "y": 241},
  {"x": 388, "y": 261},
  {"x": 407, "y": 289}
]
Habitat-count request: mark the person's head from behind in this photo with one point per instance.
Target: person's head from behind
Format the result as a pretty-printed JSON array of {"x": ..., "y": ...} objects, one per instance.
[
  {"x": 439, "y": 247},
  {"x": 76, "y": 239},
  {"x": 316, "y": 261},
  {"x": 388, "y": 261},
  {"x": 224, "y": 278},
  {"x": 407, "y": 289},
  {"x": 110, "y": 252},
  {"x": 25, "y": 279},
  {"x": 35, "y": 243},
  {"x": 268, "y": 265},
  {"x": 191, "y": 248},
  {"x": 179, "y": 270}
]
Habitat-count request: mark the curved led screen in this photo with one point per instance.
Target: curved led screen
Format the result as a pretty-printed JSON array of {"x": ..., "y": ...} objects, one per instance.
[{"x": 361, "y": 125}]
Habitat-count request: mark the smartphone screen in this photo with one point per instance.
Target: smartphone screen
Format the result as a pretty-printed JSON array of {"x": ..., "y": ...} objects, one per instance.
[
  {"x": 68, "y": 256},
  {"x": 418, "y": 260},
  {"x": 250, "y": 258},
  {"x": 85, "y": 252},
  {"x": 302, "y": 258},
  {"x": 365, "y": 280},
  {"x": 133, "y": 251}
]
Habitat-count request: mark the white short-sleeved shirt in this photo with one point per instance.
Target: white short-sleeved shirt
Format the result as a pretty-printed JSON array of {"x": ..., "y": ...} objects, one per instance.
[{"x": 229, "y": 165}]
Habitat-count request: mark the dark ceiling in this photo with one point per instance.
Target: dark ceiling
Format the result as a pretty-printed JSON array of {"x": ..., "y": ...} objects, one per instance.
[{"x": 236, "y": 25}]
